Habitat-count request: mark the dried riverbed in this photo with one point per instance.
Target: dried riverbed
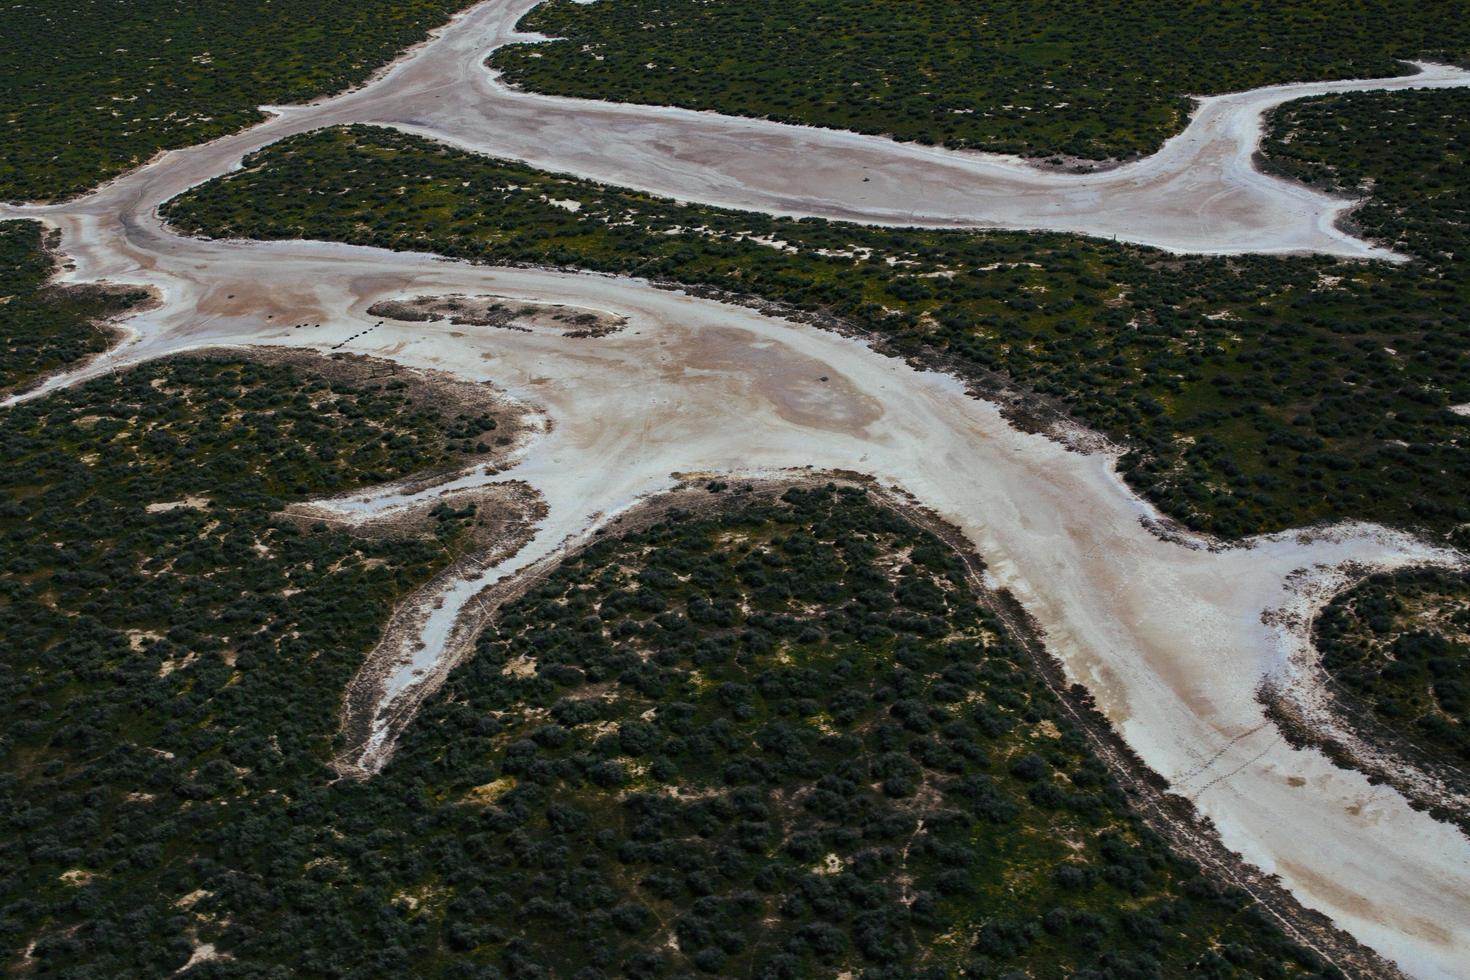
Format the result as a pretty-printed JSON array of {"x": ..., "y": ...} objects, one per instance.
[{"x": 1167, "y": 634}]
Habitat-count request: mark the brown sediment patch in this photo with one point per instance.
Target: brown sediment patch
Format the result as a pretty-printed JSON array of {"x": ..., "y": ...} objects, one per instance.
[
  {"x": 500, "y": 311},
  {"x": 1026, "y": 410},
  {"x": 502, "y": 511},
  {"x": 285, "y": 307},
  {"x": 1345, "y": 731},
  {"x": 1342, "y": 897},
  {"x": 803, "y": 390},
  {"x": 1364, "y": 906}
]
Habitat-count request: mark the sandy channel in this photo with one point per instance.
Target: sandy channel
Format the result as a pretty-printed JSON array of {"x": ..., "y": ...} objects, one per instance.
[
  {"x": 1168, "y": 635},
  {"x": 1201, "y": 193}
]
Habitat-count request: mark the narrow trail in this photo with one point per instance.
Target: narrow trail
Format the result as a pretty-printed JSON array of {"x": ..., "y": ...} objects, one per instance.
[{"x": 1166, "y": 634}]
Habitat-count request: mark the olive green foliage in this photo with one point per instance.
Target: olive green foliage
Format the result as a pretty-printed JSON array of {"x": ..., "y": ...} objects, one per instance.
[
  {"x": 1400, "y": 642},
  {"x": 784, "y": 741},
  {"x": 771, "y": 742},
  {"x": 89, "y": 88},
  {"x": 173, "y": 654},
  {"x": 1256, "y": 393},
  {"x": 1094, "y": 79},
  {"x": 44, "y": 328},
  {"x": 1411, "y": 153}
]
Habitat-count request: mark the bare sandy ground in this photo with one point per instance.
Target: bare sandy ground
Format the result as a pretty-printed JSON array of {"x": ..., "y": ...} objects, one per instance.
[
  {"x": 1201, "y": 193},
  {"x": 1168, "y": 635}
]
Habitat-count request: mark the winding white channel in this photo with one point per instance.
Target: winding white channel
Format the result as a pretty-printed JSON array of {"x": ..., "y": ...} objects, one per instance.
[{"x": 1167, "y": 635}]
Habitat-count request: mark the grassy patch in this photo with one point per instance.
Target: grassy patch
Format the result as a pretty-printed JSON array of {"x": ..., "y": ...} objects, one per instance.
[{"x": 1088, "y": 80}]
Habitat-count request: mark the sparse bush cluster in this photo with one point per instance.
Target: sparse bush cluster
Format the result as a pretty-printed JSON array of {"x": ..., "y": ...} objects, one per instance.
[{"x": 1400, "y": 644}]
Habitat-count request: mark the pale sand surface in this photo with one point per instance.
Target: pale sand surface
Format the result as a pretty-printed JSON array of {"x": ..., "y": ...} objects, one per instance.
[
  {"x": 1167, "y": 636},
  {"x": 1201, "y": 193}
]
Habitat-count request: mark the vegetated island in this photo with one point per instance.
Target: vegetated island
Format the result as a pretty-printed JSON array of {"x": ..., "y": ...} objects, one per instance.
[
  {"x": 89, "y": 89},
  {"x": 45, "y": 327},
  {"x": 176, "y": 644},
  {"x": 1072, "y": 84}
]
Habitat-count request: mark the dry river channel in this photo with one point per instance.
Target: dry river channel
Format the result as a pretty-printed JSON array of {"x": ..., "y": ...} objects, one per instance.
[{"x": 1173, "y": 635}]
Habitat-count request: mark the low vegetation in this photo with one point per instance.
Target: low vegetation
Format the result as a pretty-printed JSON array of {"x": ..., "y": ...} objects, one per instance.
[
  {"x": 778, "y": 739},
  {"x": 1088, "y": 80},
  {"x": 1399, "y": 644},
  {"x": 44, "y": 328},
  {"x": 774, "y": 736},
  {"x": 90, "y": 88},
  {"x": 1254, "y": 393},
  {"x": 1408, "y": 154},
  {"x": 173, "y": 650}
]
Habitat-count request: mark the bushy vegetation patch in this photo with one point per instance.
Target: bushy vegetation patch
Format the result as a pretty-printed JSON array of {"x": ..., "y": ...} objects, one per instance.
[
  {"x": 779, "y": 739},
  {"x": 1407, "y": 153},
  {"x": 1400, "y": 643},
  {"x": 90, "y": 88},
  {"x": 43, "y": 328},
  {"x": 172, "y": 652},
  {"x": 1255, "y": 393},
  {"x": 1093, "y": 79},
  {"x": 785, "y": 741}
]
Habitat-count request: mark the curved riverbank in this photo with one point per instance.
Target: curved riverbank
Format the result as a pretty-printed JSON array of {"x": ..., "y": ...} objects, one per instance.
[{"x": 1166, "y": 634}]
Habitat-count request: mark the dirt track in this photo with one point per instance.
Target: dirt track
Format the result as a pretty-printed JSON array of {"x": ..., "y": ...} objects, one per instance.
[{"x": 1167, "y": 635}]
